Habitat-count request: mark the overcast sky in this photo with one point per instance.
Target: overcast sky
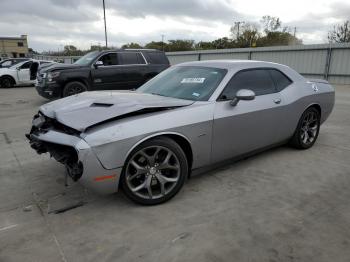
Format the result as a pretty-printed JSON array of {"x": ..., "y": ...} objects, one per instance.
[{"x": 50, "y": 24}]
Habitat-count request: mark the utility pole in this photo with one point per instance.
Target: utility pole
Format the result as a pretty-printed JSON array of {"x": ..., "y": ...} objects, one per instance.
[
  {"x": 104, "y": 16},
  {"x": 238, "y": 23},
  {"x": 295, "y": 30},
  {"x": 162, "y": 42}
]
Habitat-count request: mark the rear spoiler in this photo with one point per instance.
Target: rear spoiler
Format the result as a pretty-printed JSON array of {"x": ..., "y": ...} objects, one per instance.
[{"x": 322, "y": 81}]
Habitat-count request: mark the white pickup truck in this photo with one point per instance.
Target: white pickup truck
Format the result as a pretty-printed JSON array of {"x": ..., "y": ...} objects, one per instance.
[{"x": 23, "y": 73}]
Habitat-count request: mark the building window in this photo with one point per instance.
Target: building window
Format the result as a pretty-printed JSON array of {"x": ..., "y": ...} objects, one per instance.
[
  {"x": 19, "y": 43},
  {"x": 22, "y": 55}
]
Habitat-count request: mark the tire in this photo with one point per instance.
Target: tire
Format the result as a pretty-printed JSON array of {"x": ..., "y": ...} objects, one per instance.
[
  {"x": 73, "y": 88},
  {"x": 154, "y": 172},
  {"x": 7, "y": 82},
  {"x": 307, "y": 130}
]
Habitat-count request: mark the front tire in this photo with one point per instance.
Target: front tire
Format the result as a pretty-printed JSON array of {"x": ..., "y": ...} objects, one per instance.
[
  {"x": 73, "y": 88},
  {"x": 7, "y": 82},
  {"x": 307, "y": 130},
  {"x": 154, "y": 172}
]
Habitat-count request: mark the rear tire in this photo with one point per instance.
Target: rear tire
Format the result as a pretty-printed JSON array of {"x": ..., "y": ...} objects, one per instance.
[
  {"x": 7, "y": 82},
  {"x": 154, "y": 172},
  {"x": 307, "y": 130},
  {"x": 73, "y": 88}
]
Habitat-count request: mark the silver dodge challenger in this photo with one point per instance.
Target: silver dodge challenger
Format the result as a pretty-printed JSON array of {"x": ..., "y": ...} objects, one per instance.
[{"x": 188, "y": 117}]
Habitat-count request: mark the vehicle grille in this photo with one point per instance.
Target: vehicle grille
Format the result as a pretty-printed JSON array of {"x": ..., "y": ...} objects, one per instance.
[{"x": 40, "y": 77}]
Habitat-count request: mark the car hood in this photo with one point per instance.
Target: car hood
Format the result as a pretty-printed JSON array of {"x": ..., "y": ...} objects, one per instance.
[
  {"x": 59, "y": 66},
  {"x": 91, "y": 108}
]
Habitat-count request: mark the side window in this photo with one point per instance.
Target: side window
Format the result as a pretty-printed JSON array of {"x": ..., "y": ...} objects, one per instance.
[
  {"x": 131, "y": 58},
  {"x": 156, "y": 58},
  {"x": 26, "y": 65},
  {"x": 257, "y": 80},
  {"x": 280, "y": 79},
  {"x": 109, "y": 59}
]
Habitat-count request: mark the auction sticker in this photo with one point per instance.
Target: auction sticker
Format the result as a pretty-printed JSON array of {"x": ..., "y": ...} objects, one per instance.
[{"x": 196, "y": 80}]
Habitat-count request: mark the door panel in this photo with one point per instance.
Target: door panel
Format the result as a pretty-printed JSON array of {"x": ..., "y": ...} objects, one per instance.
[
  {"x": 134, "y": 76},
  {"x": 248, "y": 126},
  {"x": 135, "y": 66},
  {"x": 108, "y": 77},
  {"x": 23, "y": 73},
  {"x": 120, "y": 71}
]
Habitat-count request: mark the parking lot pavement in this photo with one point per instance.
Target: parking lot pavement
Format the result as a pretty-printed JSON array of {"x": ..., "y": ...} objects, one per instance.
[{"x": 281, "y": 205}]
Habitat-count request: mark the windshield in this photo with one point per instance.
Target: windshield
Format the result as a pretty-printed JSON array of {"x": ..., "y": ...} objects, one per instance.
[
  {"x": 185, "y": 82},
  {"x": 86, "y": 59}
]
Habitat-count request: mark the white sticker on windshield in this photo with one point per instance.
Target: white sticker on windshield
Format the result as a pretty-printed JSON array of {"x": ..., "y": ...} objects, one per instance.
[
  {"x": 196, "y": 94},
  {"x": 196, "y": 80}
]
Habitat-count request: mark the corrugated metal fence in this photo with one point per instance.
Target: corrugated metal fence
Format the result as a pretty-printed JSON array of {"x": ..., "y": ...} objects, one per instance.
[{"x": 331, "y": 62}]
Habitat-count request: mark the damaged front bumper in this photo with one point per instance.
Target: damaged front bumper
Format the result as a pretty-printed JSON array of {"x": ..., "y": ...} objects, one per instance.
[{"x": 78, "y": 157}]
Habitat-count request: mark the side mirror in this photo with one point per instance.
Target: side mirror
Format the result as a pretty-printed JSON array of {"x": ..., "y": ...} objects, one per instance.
[
  {"x": 18, "y": 68},
  {"x": 98, "y": 63},
  {"x": 243, "y": 94}
]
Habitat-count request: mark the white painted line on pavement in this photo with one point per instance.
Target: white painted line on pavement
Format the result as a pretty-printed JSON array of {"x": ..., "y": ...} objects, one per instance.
[{"x": 8, "y": 227}]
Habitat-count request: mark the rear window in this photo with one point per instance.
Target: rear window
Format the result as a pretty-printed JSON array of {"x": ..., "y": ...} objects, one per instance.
[
  {"x": 130, "y": 59},
  {"x": 281, "y": 81},
  {"x": 156, "y": 58}
]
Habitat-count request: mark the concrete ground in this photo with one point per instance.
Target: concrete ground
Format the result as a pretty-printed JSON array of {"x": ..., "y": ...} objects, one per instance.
[{"x": 281, "y": 205}]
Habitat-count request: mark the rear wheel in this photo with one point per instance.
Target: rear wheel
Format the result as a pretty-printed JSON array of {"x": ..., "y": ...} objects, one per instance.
[
  {"x": 307, "y": 130},
  {"x": 154, "y": 172},
  {"x": 7, "y": 82},
  {"x": 73, "y": 88}
]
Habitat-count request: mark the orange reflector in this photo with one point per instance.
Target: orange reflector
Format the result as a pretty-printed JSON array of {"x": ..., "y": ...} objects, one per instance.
[{"x": 102, "y": 178}]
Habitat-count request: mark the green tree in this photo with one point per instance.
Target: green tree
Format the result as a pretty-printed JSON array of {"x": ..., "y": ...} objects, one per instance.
[
  {"x": 222, "y": 43},
  {"x": 271, "y": 23},
  {"x": 132, "y": 46},
  {"x": 278, "y": 38},
  {"x": 249, "y": 36},
  {"x": 180, "y": 45},
  {"x": 340, "y": 33},
  {"x": 204, "y": 45},
  {"x": 275, "y": 33},
  {"x": 95, "y": 48},
  {"x": 70, "y": 50},
  {"x": 157, "y": 45}
]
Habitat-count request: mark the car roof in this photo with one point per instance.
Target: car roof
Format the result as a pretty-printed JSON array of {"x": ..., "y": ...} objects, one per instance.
[
  {"x": 15, "y": 59},
  {"x": 130, "y": 50},
  {"x": 230, "y": 64},
  {"x": 236, "y": 65}
]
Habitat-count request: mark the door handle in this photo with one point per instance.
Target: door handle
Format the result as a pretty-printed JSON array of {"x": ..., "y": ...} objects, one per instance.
[{"x": 277, "y": 100}]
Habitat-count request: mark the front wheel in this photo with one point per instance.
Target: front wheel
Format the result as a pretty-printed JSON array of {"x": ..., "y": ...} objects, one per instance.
[
  {"x": 154, "y": 172},
  {"x": 7, "y": 82},
  {"x": 307, "y": 130},
  {"x": 73, "y": 88}
]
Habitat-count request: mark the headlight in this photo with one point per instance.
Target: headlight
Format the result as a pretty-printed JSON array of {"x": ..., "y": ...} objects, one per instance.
[{"x": 52, "y": 75}]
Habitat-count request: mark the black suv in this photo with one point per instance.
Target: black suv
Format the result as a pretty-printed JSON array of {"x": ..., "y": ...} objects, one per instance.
[{"x": 101, "y": 70}]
